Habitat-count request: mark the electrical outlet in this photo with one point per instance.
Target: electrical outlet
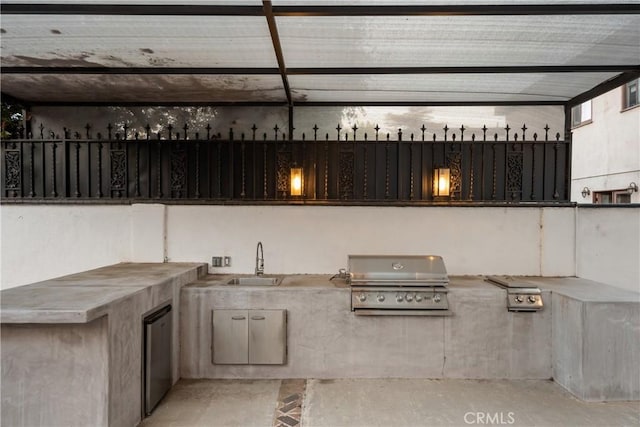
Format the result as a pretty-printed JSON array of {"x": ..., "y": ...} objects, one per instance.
[
  {"x": 216, "y": 261},
  {"x": 227, "y": 261}
]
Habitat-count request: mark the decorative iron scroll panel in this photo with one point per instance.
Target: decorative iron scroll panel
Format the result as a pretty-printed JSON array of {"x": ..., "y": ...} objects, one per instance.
[
  {"x": 216, "y": 170},
  {"x": 13, "y": 172}
]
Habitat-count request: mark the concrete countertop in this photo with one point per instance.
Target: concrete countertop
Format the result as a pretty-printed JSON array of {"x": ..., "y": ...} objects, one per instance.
[
  {"x": 323, "y": 281},
  {"x": 584, "y": 290},
  {"x": 83, "y": 297},
  {"x": 572, "y": 287}
]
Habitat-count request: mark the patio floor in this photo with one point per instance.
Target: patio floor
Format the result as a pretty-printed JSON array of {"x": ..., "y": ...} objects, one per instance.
[{"x": 382, "y": 402}]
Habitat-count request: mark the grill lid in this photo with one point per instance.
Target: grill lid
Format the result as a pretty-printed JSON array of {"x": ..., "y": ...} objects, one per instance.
[{"x": 396, "y": 269}]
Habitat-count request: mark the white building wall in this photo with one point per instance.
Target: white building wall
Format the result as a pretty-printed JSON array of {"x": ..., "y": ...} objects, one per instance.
[
  {"x": 608, "y": 246},
  {"x": 606, "y": 152}
]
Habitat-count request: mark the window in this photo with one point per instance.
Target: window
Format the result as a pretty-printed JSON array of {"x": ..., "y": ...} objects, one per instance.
[
  {"x": 621, "y": 197},
  {"x": 581, "y": 114},
  {"x": 630, "y": 94},
  {"x": 611, "y": 197}
]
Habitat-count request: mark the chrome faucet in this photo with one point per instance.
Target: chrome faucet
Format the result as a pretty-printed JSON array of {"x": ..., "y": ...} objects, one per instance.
[{"x": 259, "y": 260}]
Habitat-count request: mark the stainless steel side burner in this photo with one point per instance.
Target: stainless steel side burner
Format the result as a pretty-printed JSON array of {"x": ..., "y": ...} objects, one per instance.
[
  {"x": 521, "y": 296},
  {"x": 398, "y": 285}
]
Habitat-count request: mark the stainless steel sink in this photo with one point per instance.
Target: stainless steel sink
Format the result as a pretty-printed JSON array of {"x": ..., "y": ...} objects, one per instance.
[{"x": 255, "y": 281}]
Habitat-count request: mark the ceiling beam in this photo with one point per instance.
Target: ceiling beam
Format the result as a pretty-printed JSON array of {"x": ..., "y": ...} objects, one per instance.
[
  {"x": 460, "y": 10},
  {"x": 138, "y": 70},
  {"x": 277, "y": 47},
  {"x": 328, "y": 10},
  {"x": 285, "y": 104},
  {"x": 154, "y": 104},
  {"x": 425, "y": 103},
  {"x": 129, "y": 9},
  {"x": 466, "y": 70},
  {"x": 603, "y": 88},
  {"x": 323, "y": 70}
]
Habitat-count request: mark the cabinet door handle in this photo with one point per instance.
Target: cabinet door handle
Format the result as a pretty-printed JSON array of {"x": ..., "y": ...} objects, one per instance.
[
  {"x": 238, "y": 317},
  {"x": 257, "y": 318}
]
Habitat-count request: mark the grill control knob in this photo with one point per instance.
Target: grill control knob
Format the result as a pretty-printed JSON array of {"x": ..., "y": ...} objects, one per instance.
[
  {"x": 409, "y": 297},
  {"x": 399, "y": 298},
  {"x": 362, "y": 297},
  {"x": 519, "y": 298},
  {"x": 437, "y": 298},
  {"x": 418, "y": 297},
  {"x": 380, "y": 298},
  {"x": 532, "y": 299}
]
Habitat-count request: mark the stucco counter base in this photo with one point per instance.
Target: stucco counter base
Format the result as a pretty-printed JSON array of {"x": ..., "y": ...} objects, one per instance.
[
  {"x": 327, "y": 340},
  {"x": 596, "y": 338},
  {"x": 71, "y": 347},
  {"x": 586, "y": 337}
]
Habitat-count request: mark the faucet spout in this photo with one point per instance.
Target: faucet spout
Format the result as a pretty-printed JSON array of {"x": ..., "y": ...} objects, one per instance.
[{"x": 259, "y": 260}]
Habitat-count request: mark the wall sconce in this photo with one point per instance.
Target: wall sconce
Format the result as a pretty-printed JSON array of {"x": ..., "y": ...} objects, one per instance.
[
  {"x": 632, "y": 188},
  {"x": 585, "y": 192},
  {"x": 296, "y": 181},
  {"x": 441, "y": 182}
]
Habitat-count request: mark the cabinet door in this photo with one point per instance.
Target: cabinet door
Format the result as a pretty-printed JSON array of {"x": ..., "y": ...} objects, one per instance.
[
  {"x": 267, "y": 337},
  {"x": 230, "y": 336}
]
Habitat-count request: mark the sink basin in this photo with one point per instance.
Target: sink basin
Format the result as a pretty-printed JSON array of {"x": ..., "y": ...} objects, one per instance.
[{"x": 255, "y": 281}]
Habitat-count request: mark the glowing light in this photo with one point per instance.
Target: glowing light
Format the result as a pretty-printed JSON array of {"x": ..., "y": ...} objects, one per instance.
[
  {"x": 296, "y": 181},
  {"x": 441, "y": 182}
]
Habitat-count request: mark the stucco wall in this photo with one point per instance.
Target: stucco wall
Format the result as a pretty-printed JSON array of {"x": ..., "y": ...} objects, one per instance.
[
  {"x": 41, "y": 242},
  {"x": 305, "y": 239},
  {"x": 608, "y": 246},
  {"x": 44, "y": 241},
  {"x": 606, "y": 152}
]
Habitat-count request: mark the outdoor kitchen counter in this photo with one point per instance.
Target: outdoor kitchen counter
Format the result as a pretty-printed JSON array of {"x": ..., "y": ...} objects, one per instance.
[
  {"x": 596, "y": 335},
  {"x": 84, "y": 332},
  {"x": 585, "y": 337},
  {"x": 325, "y": 339},
  {"x": 86, "y": 296}
]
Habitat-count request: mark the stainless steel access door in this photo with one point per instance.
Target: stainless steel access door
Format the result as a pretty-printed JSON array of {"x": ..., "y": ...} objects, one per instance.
[
  {"x": 250, "y": 336},
  {"x": 230, "y": 332},
  {"x": 267, "y": 337},
  {"x": 157, "y": 356}
]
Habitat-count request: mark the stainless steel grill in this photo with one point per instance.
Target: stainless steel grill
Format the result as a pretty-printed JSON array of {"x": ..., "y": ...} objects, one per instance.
[{"x": 400, "y": 285}]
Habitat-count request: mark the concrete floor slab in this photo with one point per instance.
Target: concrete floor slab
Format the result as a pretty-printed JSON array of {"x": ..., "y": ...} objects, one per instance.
[
  {"x": 420, "y": 402},
  {"x": 389, "y": 402},
  {"x": 201, "y": 403}
]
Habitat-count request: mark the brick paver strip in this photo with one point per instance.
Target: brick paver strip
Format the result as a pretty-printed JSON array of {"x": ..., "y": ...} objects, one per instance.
[{"x": 288, "y": 409}]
